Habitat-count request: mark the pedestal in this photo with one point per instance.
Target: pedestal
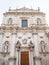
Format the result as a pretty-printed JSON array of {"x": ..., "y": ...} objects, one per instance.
[
  {"x": 12, "y": 61},
  {"x": 37, "y": 61}
]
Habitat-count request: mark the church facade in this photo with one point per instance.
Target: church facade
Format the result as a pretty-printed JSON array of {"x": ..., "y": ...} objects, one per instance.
[{"x": 24, "y": 38}]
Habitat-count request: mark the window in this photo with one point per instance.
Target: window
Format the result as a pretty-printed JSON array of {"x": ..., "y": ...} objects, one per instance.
[
  {"x": 39, "y": 21},
  {"x": 10, "y": 21},
  {"x": 24, "y": 23}
]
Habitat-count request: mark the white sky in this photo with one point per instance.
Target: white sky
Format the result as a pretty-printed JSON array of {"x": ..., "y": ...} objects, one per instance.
[{"x": 43, "y": 4}]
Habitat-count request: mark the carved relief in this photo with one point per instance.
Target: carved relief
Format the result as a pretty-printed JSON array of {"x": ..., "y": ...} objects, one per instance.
[{"x": 24, "y": 41}]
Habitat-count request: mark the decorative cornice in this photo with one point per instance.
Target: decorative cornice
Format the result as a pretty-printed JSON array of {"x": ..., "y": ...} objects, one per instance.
[
  {"x": 24, "y": 13},
  {"x": 20, "y": 28}
]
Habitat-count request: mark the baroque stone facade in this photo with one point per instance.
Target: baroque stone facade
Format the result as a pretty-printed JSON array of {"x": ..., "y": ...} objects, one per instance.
[{"x": 24, "y": 38}]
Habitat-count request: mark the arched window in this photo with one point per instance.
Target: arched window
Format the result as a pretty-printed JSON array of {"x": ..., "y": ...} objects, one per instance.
[
  {"x": 10, "y": 21},
  {"x": 39, "y": 21},
  {"x": 6, "y": 46}
]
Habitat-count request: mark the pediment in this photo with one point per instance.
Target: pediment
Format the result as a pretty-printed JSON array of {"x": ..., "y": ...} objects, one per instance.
[{"x": 24, "y": 9}]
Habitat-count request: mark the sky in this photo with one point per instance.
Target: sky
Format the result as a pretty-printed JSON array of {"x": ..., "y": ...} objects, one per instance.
[{"x": 43, "y": 4}]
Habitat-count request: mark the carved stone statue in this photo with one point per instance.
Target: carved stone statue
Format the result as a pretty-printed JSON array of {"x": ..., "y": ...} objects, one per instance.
[
  {"x": 43, "y": 46},
  {"x": 6, "y": 46}
]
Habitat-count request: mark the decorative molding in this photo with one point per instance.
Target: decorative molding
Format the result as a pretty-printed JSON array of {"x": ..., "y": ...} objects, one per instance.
[
  {"x": 30, "y": 48},
  {"x": 4, "y": 52},
  {"x": 37, "y": 58},
  {"x": 11, "y": 27},
  {"x": 19, "y": 37},
  {"x": 47, "y": 34},
  {"x": 24, "y": 13},
  {"x": 7, "y": 36},
  {"x": 14, "y": 33},
  {"x": 24, "y": 41},
  {"x": 29, "y": 37},
  {"x": 34, "y": 33},
  {"x": 24, "y": 18},
  {"x": 44, "y": 52},
  {"x": 12, "y": 58},
  {"x": 41, "y": 36}
]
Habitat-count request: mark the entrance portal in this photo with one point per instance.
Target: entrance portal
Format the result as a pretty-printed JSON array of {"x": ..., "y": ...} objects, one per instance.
[{"x": 25, "y": 58}]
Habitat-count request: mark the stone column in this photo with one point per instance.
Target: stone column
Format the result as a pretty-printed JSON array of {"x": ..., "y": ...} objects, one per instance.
[
  {"x": 1, "y": 41},
  {"x": 12, "y": 45},
  {"x": 12, "y": 59},
  {"x": 36, "y": 50},
  {"x": 31, "y": 57},
  {"x": 37, "y": 60},
  {"x": 18, "y": 56}
]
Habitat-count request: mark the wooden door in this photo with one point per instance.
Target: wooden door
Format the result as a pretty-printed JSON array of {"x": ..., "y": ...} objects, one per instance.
[{"x": 25, "y": 58}]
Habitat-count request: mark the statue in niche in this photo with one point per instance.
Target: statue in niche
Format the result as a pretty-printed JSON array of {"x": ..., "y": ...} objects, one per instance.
[
  {"x": 39, "y": 21},
  {"x": 43, "y": 46},
  {"x": 18, "y": 44},
  {"x": 10, "y": 21},
  {"x": 6, "y": 46},
  {"x": 31, "y": 45}
]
